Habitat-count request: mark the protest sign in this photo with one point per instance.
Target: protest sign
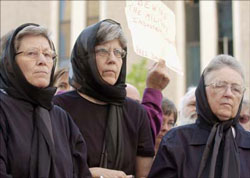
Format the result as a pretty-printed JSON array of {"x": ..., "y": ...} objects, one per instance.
[{"x": 152, "y": 26}]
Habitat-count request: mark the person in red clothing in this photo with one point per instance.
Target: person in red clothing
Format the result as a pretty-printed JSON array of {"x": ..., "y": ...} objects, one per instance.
[{"x": 157, "y": 80}]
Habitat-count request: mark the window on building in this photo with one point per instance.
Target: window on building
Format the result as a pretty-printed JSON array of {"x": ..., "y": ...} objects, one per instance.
[
  {"x": 92, "y": 12},
  {"x": 64, "y": 33},
  {"x": 192, "y": 42},
  {"x": 225, "y": 29}
]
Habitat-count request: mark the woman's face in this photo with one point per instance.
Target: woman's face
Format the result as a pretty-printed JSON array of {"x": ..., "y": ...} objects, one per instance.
[
  {"x": 35, "y": 60},
  {"x": 223, "y": 98},
  {"x": 109, "y": 61},
  {"x": 167, "y": 124},
  {"x": 62, "y": 83}
]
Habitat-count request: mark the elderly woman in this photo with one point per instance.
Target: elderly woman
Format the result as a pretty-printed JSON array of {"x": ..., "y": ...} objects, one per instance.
[
  {"x": 37, "y": 139},
  {"x": 216, "y": 145},
  {"x": 116, "y": 128}
]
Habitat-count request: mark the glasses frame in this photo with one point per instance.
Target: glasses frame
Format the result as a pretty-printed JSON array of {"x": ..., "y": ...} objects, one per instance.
[
  {"x": 243, "y": 89},
  {"x": 108, "y": 52},
  {"x": 53, "y": 58}
]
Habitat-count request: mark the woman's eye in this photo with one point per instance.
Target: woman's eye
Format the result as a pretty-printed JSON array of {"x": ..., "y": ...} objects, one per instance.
[{"x": 32, "y": 53}]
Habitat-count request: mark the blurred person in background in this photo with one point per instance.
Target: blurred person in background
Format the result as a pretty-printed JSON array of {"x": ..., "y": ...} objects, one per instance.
[
  {"x": 133, "y": 92},
  {"x": 245, "y": 115},
  {"x": 61, "y": 81},
  {"x": 215, "y": 145},
  {"x": 169, "y": 120},
  {"x": 115, "y": 127},
  {"x": 37, "y": 139},
  {"x": 187, "y": 108},
  {"x": 157, "y": 80}
]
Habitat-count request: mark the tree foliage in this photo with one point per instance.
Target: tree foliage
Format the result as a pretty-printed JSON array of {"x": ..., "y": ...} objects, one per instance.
[{"x": 138, "y": 75}]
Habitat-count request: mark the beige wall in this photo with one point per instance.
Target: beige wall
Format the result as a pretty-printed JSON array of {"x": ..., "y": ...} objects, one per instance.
[
  {"x": 15, "y": 13},
  {"x": 241, "y": 35}
]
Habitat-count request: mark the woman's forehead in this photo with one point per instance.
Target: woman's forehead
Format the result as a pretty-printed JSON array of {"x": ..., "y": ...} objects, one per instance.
[
  {"x": 224, "y": 74},
  {"x": 34, "y": 41}
]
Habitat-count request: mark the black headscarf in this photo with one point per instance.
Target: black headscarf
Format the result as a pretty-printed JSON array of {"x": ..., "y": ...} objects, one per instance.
[
  {"x": 13, "y": 81},
  {"x": 221, "y": 147},
  {"x": 87, "y": 80}
]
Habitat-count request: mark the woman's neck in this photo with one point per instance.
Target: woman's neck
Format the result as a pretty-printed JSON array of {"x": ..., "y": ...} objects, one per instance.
[{"x": 91, "y": 99}]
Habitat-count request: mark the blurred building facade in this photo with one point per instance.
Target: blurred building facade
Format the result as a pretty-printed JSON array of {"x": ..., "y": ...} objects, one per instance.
[{"x": 204, "y": 29}]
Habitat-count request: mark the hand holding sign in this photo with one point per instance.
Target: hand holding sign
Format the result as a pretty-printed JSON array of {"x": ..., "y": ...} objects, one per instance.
[{"x": 158, "y": 77}]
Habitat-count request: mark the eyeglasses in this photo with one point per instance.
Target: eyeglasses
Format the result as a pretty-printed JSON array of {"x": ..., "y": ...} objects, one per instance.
[
  {"x": 106, "y": 53},
  {"x": 221, "y": 86},
  {"x": 35, "y": 53}
]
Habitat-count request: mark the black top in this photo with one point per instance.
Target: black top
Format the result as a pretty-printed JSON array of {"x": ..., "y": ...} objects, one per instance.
[
  {"x": 208, "y": 148},
  {"x": 181, "y": 150},
  {"x": 17, "y": 129},
  {"x": 91, "y": 120},
  {"x": 87, "y": 79}
]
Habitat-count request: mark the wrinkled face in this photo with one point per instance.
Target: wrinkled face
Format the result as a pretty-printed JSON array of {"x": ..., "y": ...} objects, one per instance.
[
  {"x": 223, "y": 102},
  {"x": 35, "y": 67},
  {"x": 245, "y": 117},
  {"x": 108, "y": 64},
  {"x": 189, "y": 110},
  {"x": 167, "y": 124},
  {"x": 62, "y": 84}
]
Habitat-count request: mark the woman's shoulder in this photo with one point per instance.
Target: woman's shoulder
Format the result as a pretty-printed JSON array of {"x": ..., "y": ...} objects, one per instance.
[{"x": 182, "y": 134}]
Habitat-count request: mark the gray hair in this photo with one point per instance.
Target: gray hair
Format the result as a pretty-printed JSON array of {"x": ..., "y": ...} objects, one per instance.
[
  {"x": 183, "y": 119},
  {"x": 168, "y": 107},
  {"x": 221, "y": 61},
  {"x": 3, "y": 41},
  {"x": 109, "y": 31},
  {"x": 32, "y": 30},
  {"x": 246, "y": 102},
  {"x": 184, "y": 100}
]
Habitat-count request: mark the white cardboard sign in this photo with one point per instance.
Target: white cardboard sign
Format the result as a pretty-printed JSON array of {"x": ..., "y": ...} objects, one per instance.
[{"x": 152, "y": 26}]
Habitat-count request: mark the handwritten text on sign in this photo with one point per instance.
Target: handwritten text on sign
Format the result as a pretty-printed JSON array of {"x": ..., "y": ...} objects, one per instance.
[{"x": 152, "y": 25}]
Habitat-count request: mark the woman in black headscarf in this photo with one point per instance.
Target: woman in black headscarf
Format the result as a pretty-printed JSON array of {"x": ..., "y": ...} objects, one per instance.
[
  {"x": 116, "y": 128},
  {"x": 37, "y": 139},
  {"x": 216, "y": 145}
]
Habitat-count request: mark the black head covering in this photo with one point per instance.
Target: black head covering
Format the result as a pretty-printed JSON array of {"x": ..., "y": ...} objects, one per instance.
[
  {"x": 87, "y": 80},
  {"x": 220, "y": 147},
  {"x": 85, "y": 72},
  {"x": 12, "y": 81}
]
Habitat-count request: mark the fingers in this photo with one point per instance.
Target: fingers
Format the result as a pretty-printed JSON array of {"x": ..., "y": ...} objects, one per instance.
[{"x": 158, "y": 77}]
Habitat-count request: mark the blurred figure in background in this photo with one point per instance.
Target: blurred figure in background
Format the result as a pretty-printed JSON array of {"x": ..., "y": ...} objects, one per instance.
[
  {"x": 157, "y": 80},
  {"x": 187, "y": 108},
  {"x": 133, "y": 93},
  {"x": 245, "y": 115},
  {"x": 169, "y": 119},
  {"x": 61, "y": 81}
]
